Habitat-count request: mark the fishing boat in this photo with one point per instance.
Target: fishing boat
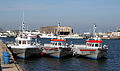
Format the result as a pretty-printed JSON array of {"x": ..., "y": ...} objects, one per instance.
[
  {"x": 23, "y": 46},
  {"x": 58, "y": 48},
  {"x": 51, "y": 35},
  {"x": 31, "y": 35},
  {"x": 75, "y": 36},
  {"x": 93, "y": 48}
]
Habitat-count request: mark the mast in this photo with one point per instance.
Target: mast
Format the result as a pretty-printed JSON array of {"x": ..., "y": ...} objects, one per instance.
[
  {"x": 23, "y": 27},
  {"x": 94, "y": 30},
  {"x": 19, "y": 33},
  {"x": 58, "y": 28}
]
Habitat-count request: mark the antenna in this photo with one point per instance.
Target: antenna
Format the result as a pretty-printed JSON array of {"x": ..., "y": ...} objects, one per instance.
[
  {"x": 94, "y": 30},
  {"x": 59, "y": 28},
  {"x": 23, "y": 27},
  {"x": 58, "y": 24},
  {"x": 19, "y": 31}
]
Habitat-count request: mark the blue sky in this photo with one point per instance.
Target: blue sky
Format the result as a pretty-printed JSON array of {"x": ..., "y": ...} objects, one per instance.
[{"x": 80, "y": 14}]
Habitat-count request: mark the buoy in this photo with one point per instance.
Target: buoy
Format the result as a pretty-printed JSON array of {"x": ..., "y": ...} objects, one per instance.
[{"x": 41, "y": 53}]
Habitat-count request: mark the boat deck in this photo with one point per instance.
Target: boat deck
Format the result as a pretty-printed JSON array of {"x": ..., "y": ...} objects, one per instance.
[{"x": 77, "y": 50}]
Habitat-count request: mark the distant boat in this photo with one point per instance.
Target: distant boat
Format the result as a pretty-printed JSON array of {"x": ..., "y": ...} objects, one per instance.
[
  {"x": 51, "y": 35},
  {"x": 115, "y": 37},
  {"x": 3, "y": 36},
  {"x": 58, "y": 48},
  {"x": 75, "y": 36},
  {"x": 31, "y": 35}
]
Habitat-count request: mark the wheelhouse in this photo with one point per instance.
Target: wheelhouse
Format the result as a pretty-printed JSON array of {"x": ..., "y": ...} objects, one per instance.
[
  {"x": 94, "y": 42},
  {"x": 23, "y": 41},
  {"x": 58, "y": 42}
]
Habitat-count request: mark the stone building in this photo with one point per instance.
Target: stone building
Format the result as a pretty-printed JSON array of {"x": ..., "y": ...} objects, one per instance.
[{"x": 59, "y": 30}]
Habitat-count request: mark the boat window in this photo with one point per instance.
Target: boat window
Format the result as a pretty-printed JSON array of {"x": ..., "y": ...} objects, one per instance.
[
  {"x": 100, "y": 45},
  {"x": 55, "y": 43},
  {"x": 28, "y": 42},
  {"x": 24, "y": 42},
  {"x": 92, "y": 45},
  {"x": 96, "y": 45},
  {"x": 59, "y": 44},
  {"x": 19, "y": 42},
  {"x": 63, "y": 44},
  {"x": 89, "y": 44}
]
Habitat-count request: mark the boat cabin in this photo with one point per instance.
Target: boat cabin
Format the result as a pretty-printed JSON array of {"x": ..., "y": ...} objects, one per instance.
[
  {"x": 94, "y": 42},
  {"x": 58, "y": 42},
  {"x": 23, "y": 41}
]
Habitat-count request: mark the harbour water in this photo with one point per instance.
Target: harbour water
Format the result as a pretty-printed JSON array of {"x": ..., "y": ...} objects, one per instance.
[{"x": 110, "y": 63}]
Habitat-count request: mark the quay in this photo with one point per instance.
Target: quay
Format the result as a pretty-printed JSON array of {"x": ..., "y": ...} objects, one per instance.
[{"x": 13, "y": 65}]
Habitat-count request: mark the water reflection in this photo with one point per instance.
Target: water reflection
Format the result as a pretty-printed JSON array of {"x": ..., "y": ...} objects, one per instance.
[{"x": 92, "y": 65}]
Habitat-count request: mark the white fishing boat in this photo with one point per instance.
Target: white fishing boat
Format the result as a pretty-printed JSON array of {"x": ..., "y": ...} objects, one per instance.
[
  {"x": 51, "y": 35},
  {"x": 58, "y": 48},
  {"x": 93, "y": 48},
  {"x": 75, "y": 36},
  {"x": 31, "y": 35},
  {"x": 23, "y": 46}
]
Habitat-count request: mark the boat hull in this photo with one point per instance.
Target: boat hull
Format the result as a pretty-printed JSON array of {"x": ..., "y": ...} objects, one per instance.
[
  {"x": 26, "y": 52},
  {"x": 93, "y": 53},
  {"x": 57, "y": 52},
  {"x": 98, "y": 54}
]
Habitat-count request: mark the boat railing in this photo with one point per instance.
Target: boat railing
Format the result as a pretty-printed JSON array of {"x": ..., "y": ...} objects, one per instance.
[{"x": 9, "y": 42}]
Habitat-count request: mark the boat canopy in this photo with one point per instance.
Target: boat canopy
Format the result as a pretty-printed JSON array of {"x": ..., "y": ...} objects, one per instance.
[
  {"x": 23, "y": 41},
  {"x": 94, "y": 40},
  {"x": 58, "y": 40}
]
